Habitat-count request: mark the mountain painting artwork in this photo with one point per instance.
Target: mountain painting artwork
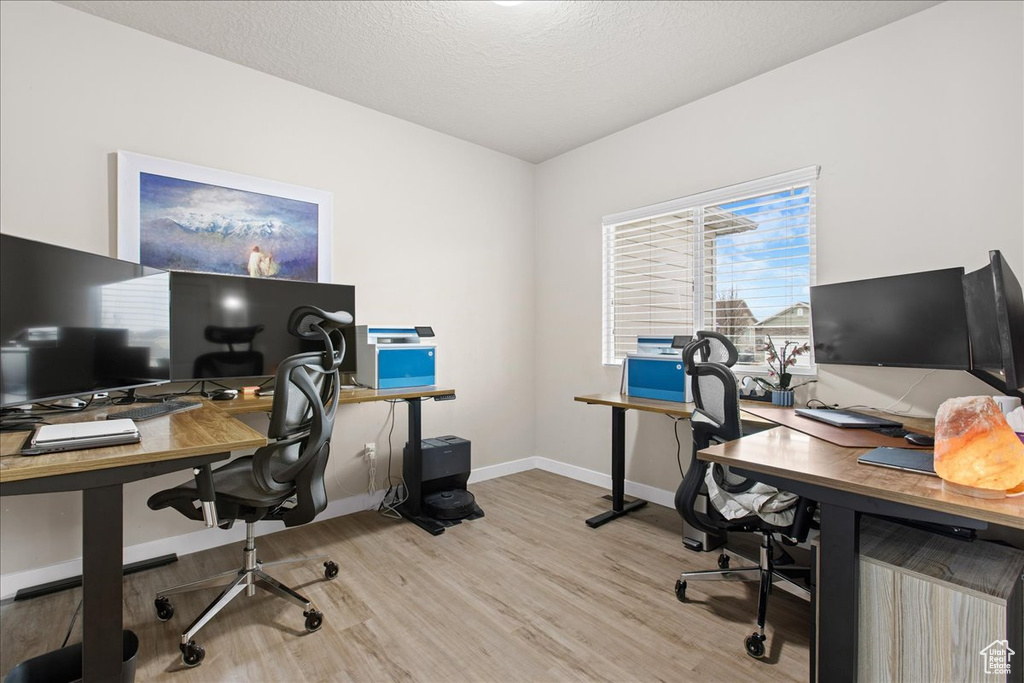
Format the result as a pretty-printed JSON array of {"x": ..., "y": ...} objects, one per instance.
[
  {"x": 180, "y": 217},
  {"x": 197, "y": 227}
]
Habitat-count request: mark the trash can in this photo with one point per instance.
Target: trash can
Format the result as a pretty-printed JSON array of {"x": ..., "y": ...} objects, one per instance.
[{"x": 65, "y": 665}]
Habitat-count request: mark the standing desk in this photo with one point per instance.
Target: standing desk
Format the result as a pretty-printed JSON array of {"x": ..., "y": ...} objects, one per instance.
[
  {"x": 845, "y": 489},
  {"x": 186, "y": 440},
  {"x": 619, "y": 404},
  {"x": 191, "y": 439}
]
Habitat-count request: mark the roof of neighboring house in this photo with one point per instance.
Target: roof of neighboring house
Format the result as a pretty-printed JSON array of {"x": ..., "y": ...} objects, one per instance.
[
  {"x": 726, "y": 222},
  {"x": 735, "y": 309},
  {"x": 783, "y": 313}
]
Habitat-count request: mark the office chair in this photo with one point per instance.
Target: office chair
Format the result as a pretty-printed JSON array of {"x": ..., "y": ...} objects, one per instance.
[
  {"x": 716, "y": 419},
  {"x": 282, "y": 481}
]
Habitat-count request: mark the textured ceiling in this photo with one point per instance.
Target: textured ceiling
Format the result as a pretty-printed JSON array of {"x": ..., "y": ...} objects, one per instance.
[{"x": 533, "y": 80}]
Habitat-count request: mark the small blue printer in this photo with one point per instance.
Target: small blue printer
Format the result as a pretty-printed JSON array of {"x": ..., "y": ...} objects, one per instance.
[
  {"x": 656, "y": 371},
  {"x": 395, "y": 357}
]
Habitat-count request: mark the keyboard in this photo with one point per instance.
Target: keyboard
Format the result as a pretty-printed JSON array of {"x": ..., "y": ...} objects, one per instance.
[
  {"x": 895, "y": 432},
  {"x": 148, "y": 412}
]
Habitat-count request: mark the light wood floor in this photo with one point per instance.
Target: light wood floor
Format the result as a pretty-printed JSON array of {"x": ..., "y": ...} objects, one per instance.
[{"x": 528, "y": 593}]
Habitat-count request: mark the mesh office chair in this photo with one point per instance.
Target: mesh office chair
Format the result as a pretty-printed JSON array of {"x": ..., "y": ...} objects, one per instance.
[
  {"x": 717, "y": 420},
  {"x": 282, "y": 481}
]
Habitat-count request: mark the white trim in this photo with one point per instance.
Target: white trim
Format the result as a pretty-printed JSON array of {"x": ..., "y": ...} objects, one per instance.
[
  {"x": 502, "y": 469},
  {"x": 130, "y": 164},
  {"x": 632, "y": 488},
  {"x": 205, "y": 539},
  {"x": 728, "y": 193},
  {"x": 185, "y": 544}
]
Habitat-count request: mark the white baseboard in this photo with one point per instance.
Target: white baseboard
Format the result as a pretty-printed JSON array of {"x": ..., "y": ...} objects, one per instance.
[
  {"x": 648, "y": 493},
  {"x": 502, "y": 469},
  {"x": 204, "y": 539},
  {"x": 185, "y": 544}
]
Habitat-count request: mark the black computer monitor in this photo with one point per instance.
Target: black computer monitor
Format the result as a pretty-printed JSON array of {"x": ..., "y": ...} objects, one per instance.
[
  {"x": 915, "y": 321},
  {"x": 224, "y": 326},
  {"x": 74, "y": 323},
  {"x": 995, "y": 313}
]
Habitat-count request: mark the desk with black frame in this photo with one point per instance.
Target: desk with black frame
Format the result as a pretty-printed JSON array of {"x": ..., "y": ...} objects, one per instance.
[
  {"x": 619, "y": 404},
  {"x": 191, "y": 439},
  {"x": 845, "y": 490},
  {"x": 187, "y": 440}
]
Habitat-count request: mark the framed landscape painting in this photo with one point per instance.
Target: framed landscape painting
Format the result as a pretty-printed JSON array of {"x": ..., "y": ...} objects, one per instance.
[{"x": 177, "y": 216}]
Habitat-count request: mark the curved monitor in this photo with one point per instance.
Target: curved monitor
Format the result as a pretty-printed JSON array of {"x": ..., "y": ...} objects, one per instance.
[{"x": 74, "y": 323}]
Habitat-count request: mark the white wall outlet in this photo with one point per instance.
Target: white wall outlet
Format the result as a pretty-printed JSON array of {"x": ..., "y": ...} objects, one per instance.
[{"x": 370, "y": 451}]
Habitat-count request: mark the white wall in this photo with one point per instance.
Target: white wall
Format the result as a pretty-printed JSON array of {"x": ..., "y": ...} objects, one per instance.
[
  {"x": 918, "y": 128},
  {"x": 429, "y": 229}
]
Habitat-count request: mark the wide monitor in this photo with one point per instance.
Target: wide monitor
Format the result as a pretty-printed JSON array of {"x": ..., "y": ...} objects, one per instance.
[
  {"x": 74, "y": 323},
  {"x": 995, "y": 312},
  {"x": 224, "y": 326},
  {"x": 916, "y": 321}
]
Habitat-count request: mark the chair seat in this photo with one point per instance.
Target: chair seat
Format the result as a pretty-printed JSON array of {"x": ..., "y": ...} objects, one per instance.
[{"x": 234, "y": 483}]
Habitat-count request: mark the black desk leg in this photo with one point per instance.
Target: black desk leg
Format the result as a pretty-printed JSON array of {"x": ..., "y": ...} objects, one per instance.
[
  {"x": 412, "y": 467},
  {"x": 412, "y": 472},
  {"x": 838, "y": 594},
  {"x": 619, "y": 506},
  {"x": 102, "y": 532}
]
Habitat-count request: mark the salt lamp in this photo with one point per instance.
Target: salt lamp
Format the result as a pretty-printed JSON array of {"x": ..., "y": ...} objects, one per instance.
[{"x": 975, "y": 448}]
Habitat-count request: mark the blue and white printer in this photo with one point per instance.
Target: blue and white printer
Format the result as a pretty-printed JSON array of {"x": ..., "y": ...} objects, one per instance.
[
  {"x": 395, "y": 357},
  {"x": 656, "y": 370}
]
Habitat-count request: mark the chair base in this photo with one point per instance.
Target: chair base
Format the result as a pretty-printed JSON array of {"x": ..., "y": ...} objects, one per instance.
[
  {"x": 765, "y": 573},
  {"x": 248, "y": 578}
]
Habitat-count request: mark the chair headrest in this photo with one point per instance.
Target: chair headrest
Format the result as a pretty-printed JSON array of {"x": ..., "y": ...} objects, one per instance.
[
  {"x": 308, "y": 321},
  {"x": 719, "y": 349}
]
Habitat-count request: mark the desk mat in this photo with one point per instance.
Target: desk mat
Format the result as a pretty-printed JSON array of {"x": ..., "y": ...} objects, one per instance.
[{"x": 850, "y": 438}]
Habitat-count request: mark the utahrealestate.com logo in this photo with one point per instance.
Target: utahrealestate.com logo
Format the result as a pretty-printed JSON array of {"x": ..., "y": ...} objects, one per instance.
[{"x": 997, "y": 657}]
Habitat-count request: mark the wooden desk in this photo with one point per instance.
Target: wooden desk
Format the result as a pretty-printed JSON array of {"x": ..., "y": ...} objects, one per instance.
[
  {"x": 619, "y": 404},
  {"x": 192, "y": 439},
  {"x": 845, "y": 490},
  {"x": 263, "y": 404}
]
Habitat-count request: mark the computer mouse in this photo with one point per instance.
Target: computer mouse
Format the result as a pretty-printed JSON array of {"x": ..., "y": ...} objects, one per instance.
[
  {"x": 224, "y": 395},
  {"x": 920, "y": 439}
]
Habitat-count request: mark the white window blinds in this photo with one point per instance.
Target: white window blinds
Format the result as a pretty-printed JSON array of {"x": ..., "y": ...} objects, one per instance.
[{"x": 739, "y": 260}]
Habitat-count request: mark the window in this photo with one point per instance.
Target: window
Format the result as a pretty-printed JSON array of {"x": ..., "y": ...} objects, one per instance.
[{"x": 739, "y": 260}]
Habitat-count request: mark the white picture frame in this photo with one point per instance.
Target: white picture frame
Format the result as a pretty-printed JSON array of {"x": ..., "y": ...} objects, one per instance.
[{"x": 194, "y": 218}]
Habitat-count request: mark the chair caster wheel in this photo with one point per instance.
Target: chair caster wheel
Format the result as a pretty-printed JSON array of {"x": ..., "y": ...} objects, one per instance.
[
  {"x": 723, "y": 561},
  {"x": 330, "y": 569},
  {"x": 314, "y": 620},
  {"x": 164, "y": 608},
  {"x": 192, "y": 654},
  {"x": 755, "y": 645},
  {"x": 681, "y": 591}
]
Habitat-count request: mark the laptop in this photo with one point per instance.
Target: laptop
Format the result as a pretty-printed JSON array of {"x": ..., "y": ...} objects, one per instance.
[
  {"x": 901, "y": 459},
  {"x": 847, "y": 419},
  {"x": 79, "y": 435}
]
